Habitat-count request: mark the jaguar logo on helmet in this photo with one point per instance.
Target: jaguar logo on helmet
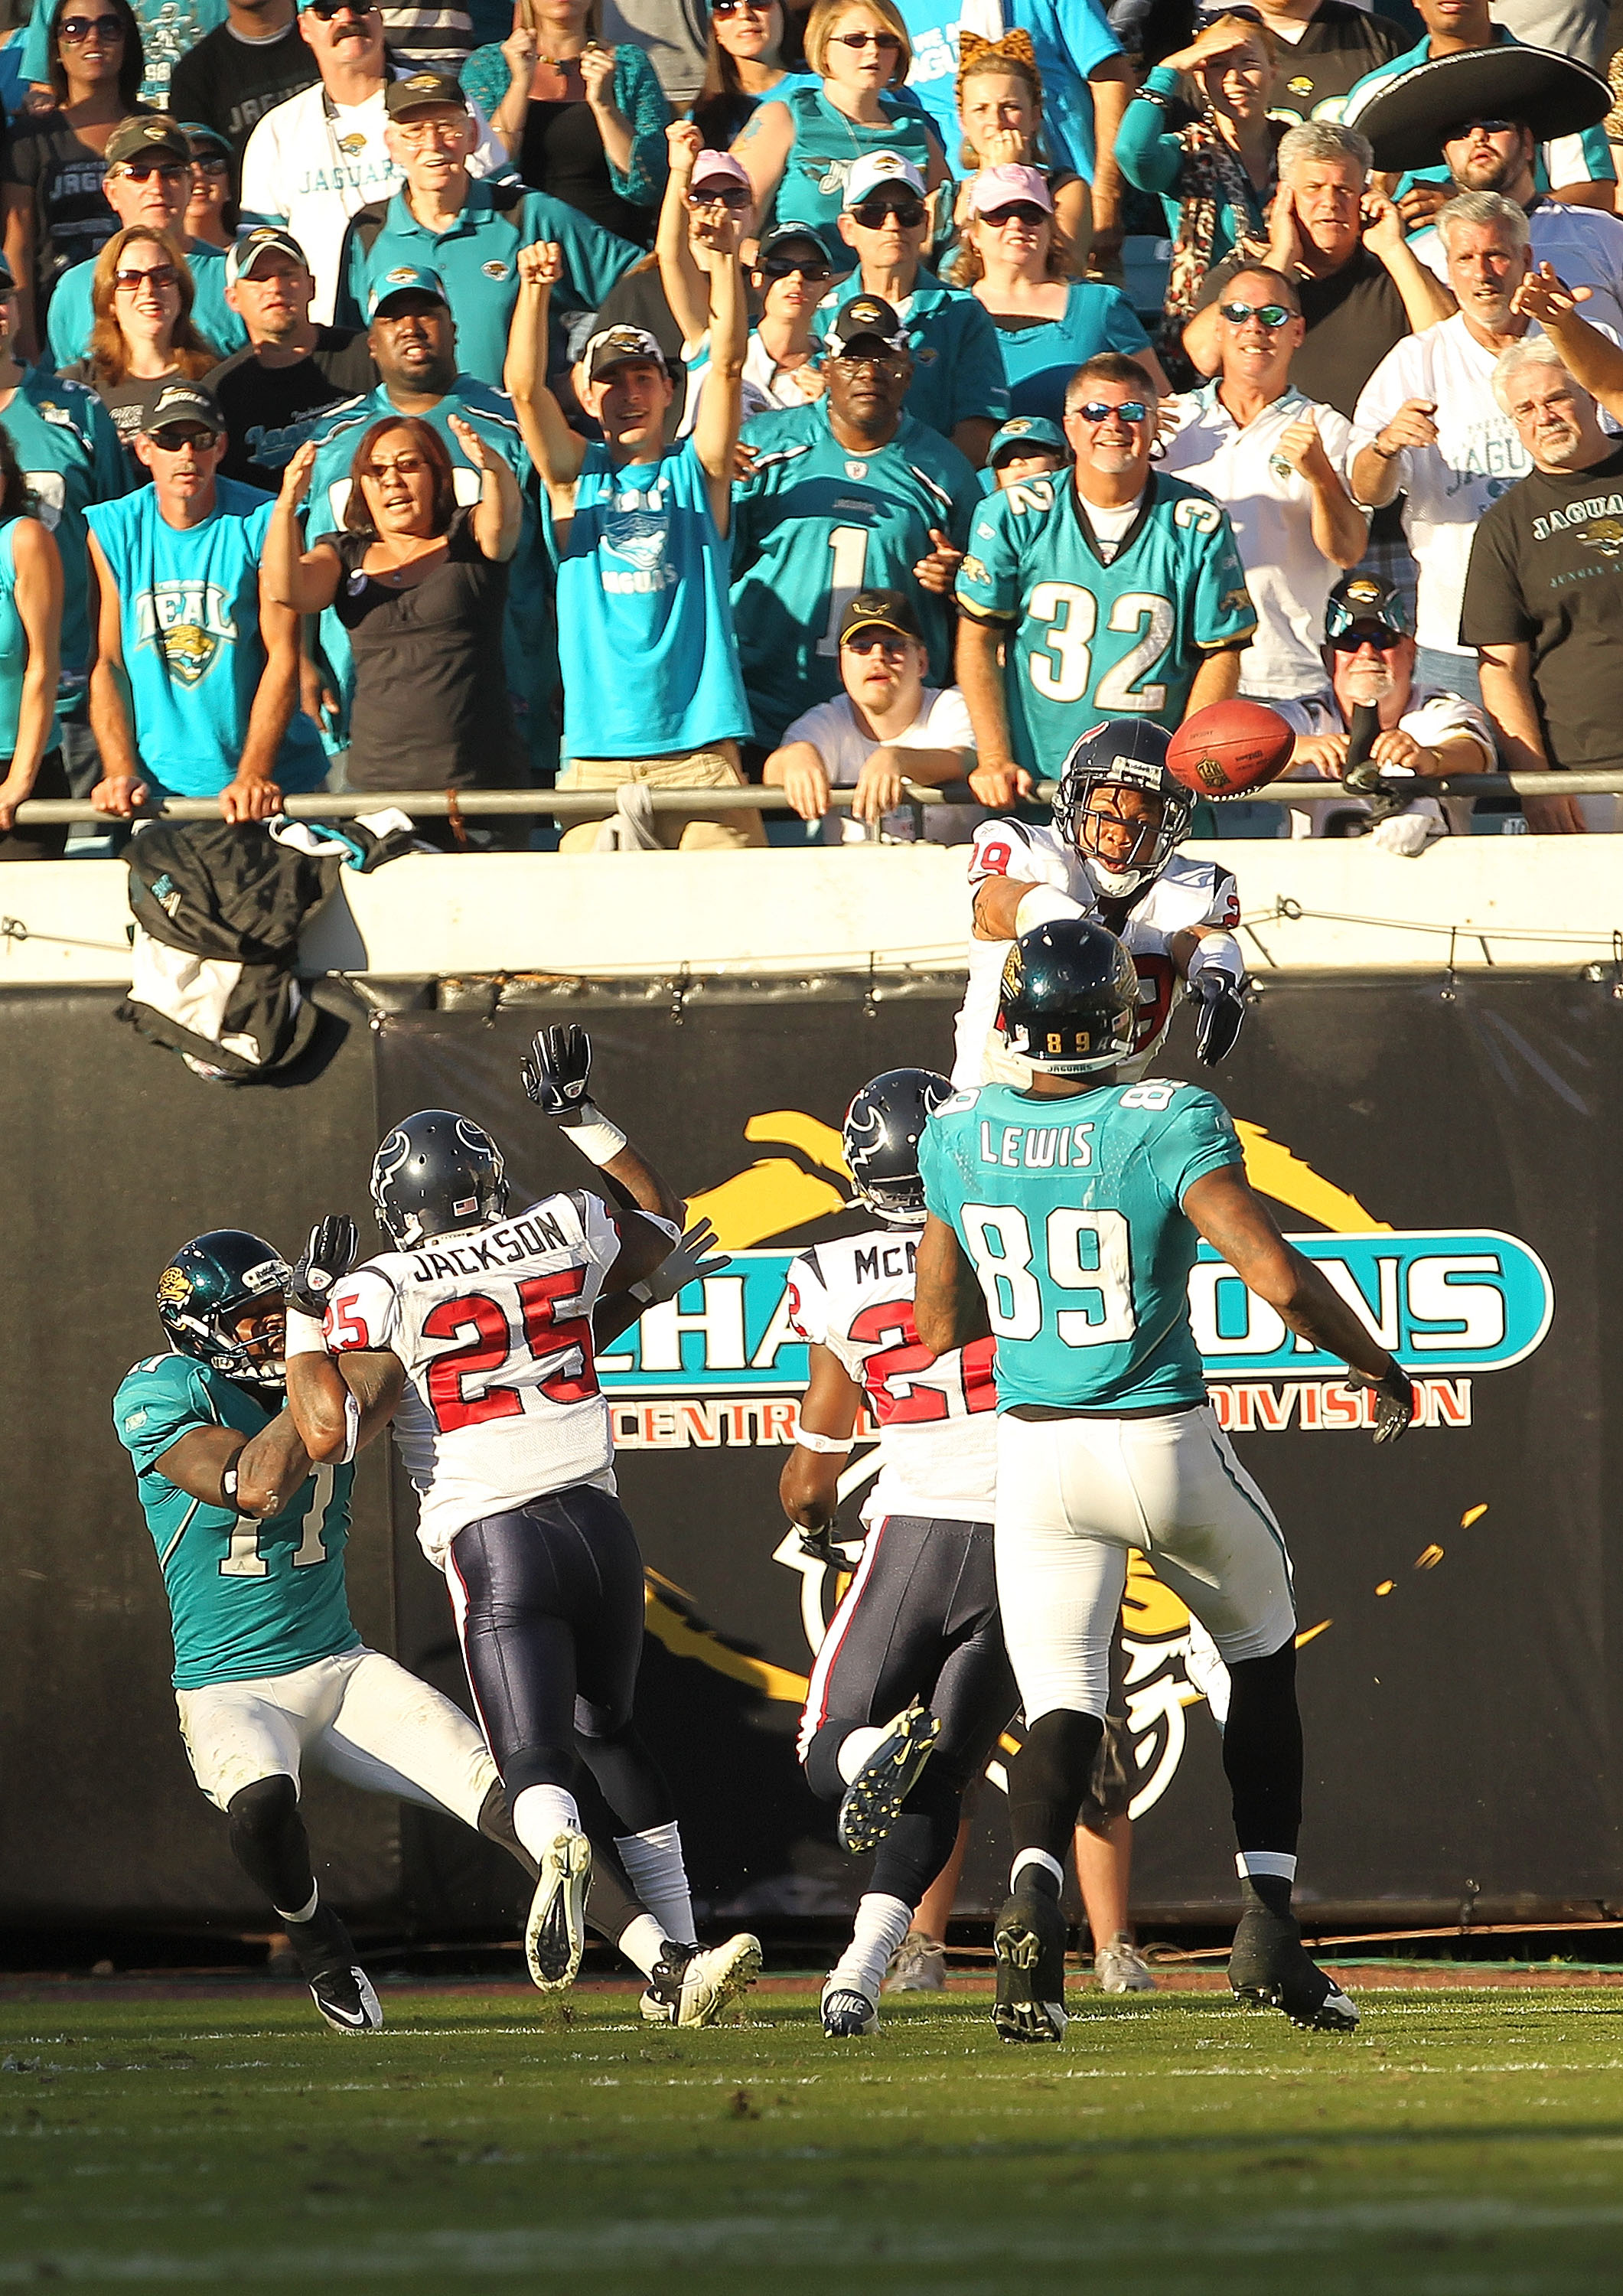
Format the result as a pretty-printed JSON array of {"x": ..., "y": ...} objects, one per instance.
[{"x": 174, "y": 1286}]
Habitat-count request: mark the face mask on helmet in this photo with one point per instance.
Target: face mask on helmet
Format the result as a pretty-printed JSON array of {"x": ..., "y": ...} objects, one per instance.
[
  {"x": 210, "y": 1286},
  {"x": 883, "y": 1128},
  {"x": 1122, "y": 755},
  {"x": 1064, "y": 1019}
]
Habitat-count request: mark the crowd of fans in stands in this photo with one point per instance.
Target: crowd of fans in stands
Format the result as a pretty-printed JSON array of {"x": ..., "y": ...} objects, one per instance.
[{"x": 615, "y": 395}]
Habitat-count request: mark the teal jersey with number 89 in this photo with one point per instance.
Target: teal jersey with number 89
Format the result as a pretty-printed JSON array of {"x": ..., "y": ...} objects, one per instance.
[
  {"x": 247, "y": 1597},
  {"x": 1070, "y": 1213}
]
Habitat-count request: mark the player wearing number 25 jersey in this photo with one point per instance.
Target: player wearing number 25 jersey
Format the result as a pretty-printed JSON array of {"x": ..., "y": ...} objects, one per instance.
[
  {"x": 918, "y": 1620},
  {"x": 813, "y": 524},
  {"x": 1066, "y": 1219},
  {"x": 269, "y": 1671}
]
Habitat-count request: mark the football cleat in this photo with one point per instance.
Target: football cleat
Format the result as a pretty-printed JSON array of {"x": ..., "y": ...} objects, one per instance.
[
  {"x": 692, "y": 1984},
  {"x": 1029, "y": 1941},
  {"x": 1121, "y": 1967},
  {"x": 1269, "y": 1964},
  {"x": 918, "y": 1965},
  {"x": 873, "y": 1799},
  {"x": 555, "y": 1931},
  {"x": 847, "y": 2015},
  {"x": 338, "y": 1986}
]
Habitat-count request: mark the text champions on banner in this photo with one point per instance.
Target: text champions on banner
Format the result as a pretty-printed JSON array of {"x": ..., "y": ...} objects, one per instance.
[{"x": 720, "y": 1365}]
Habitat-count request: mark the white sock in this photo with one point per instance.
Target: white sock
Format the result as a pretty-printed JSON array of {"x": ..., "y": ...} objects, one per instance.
[
  {"x": 856, "y": 1748},
  {"x": 642, "y": 1944},
  {"x": 880, "y": 1925},
  {"x": 1036, "y": 1857},
  {"x": 305, "y": 1912},
  {"x": 540, "y": 1814},
  {"x": 660, "y": 1878},
  {"x": 1281, "y": 1863}
]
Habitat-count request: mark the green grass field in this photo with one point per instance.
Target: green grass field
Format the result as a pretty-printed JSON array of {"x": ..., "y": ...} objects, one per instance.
[{"x": 1461, "y": 2141}]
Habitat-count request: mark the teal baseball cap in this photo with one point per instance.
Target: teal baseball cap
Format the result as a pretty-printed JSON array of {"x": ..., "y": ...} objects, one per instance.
[
  {"x": 1022, "y": 433},
  {"x": 404, "y": 279}
]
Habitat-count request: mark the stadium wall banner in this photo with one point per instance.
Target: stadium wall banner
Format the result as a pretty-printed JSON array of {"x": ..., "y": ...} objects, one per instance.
[{"x": 1447, "y": 1153}]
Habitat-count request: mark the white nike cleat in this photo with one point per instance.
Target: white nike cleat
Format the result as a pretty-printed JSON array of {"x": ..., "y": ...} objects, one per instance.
[
  {"x": 847, "y": 2015},
  {"x": 556, "y": 1930}
]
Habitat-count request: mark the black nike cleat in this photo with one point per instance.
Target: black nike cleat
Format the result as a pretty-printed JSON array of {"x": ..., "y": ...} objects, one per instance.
[
  {"x": 847, "y": 2015},
  {"x": 1270, "y": 1965},
  {"x": 1029, "y": 1942},
  {"x": 338, "y": 1986},
  {"x": 873, "y": 1799}
]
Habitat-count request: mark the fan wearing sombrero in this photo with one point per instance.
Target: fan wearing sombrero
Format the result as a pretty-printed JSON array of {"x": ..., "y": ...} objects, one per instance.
[
  {"x": 1490, "y": 145},
  {"x": 1557, "y": 97}
]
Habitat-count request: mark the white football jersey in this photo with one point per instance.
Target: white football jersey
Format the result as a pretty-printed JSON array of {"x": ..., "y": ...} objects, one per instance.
[
  {"x": 938, "y": 1414},
  {"x": 494, "y": 1326},
  {"x": 1184, "y": 894}
]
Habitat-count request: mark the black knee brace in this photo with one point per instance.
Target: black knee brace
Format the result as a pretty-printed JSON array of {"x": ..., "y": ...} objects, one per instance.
[
  {"x": 268, "y": 1843},
  {"x": 1048, "y": 1779},
  {"x": 1262, "y": 1750}
]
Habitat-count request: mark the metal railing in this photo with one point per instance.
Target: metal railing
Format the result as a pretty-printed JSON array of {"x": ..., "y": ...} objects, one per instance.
[{"x": 588, "y": 805}]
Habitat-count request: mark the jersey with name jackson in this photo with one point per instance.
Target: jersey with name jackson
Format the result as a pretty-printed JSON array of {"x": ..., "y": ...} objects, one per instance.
[
  {"x": 247, "y": 1598},
  {"x": 494, "y": 1326},
  {"x": 937, "y": 1414},
  {"x": 1546, "y": 571},
  {"x": 1071, "y": 1212}
]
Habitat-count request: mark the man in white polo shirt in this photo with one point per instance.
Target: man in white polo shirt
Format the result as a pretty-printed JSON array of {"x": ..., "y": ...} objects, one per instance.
[
  {"x": 1277, "y": 462},
  {"x": 317, "y": 160}
]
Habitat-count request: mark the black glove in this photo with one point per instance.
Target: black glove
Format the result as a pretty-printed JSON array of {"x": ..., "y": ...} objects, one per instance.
[
  {"x": 329, "y": 1254},
  {"x": 555, "y": 1072},
  {"x": 686, "y": 1265},
  {"x": 1396, "y": 1408},
  {"x": 826, "y": 1546},
  {"x": 1220, "y": 1013}
]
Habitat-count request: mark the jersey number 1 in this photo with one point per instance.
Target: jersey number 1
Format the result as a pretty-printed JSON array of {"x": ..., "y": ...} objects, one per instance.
[
  {"x": 243, "y": 1559},
  {"x": 491, "y": 1348}
]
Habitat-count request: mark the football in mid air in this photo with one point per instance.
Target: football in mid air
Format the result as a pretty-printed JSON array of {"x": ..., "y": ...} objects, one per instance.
[{"x": 1230, "y": 748}]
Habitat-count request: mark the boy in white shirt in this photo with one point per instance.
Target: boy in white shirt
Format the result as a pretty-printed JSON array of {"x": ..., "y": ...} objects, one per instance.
[{"x": 887, "y": 724}]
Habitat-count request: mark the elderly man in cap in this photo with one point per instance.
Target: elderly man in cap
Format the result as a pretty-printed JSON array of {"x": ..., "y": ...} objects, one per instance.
[
  {"x": 148, "y": 181},
  {"x": 412, "y": 337},
  {"x": 1420, "y": 732},
  {"x": 886, "y": 726},
  {"x": 638, "y": 531},
  {"x": 1544, "y": 593},
  {"x": 290, "y": 369},
  {"x": 318, "y": 158},
  {"x": 468, "y": 234},
  {"x": 852, "y": 493},
  {"x": 1574, "y": 161},
  {"x": 195, "y": 679},
  {"x": 958, "y": 388}
]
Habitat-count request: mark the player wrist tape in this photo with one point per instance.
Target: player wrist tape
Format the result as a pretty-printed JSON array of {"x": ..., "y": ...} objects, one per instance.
[
  {"x": 598, "y": 1141},
  {"x": 1043, "y": 905},
  {"x": 835, "y": 1446},
  {"x": 352, "y": 1429},
  {"x": 1217, "y": 953},
  {"x": 306, "y": 1335}
]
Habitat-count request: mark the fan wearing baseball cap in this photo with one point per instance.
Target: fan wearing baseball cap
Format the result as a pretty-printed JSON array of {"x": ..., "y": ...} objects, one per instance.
[
  {"x": 639, "y": 534},
  {"x": 958, "y": 387},
  {"x": 194, "y": 686},
  {"x": 290, "y": 369},
  {"x": 148, "y": 181},
  {"x": 887, "y": 725},
  {"x": 851, "y": 494},
  {"x": 466, "y": 231}
]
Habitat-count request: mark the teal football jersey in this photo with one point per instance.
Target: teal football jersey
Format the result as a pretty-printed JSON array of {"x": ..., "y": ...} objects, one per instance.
[
  {"x": 1088, "y": 640},
  {"x": 246, "y": 1598},
  {"x": 1071, "y": 1211},
  {"x": 813, "y": 524}
]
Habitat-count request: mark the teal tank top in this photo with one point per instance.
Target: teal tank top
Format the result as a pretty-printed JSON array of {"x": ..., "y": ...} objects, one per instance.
[
  {"x": 13, "y": 641},
  {"x": 827, "y": 146}
]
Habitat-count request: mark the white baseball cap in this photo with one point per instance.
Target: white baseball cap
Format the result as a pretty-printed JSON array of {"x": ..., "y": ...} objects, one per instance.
[{"x": 878, "y": 169}]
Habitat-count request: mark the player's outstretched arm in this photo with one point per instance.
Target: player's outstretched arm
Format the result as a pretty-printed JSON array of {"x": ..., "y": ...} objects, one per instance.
[
  {"x": 556, "y": 1073},
  {"x": 949, "y": 1309},
  {"x": 1234, "y": 1221},
  {"x": 690, "y": 1263},
  {"x": 809, "y": 1484}
]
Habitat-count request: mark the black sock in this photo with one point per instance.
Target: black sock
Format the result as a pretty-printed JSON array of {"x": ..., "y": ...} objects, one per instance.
[
  {"x": 1039, "y": 1881},
  {"x": 1048, "y": 1778},
  {"x": 1271, "y": 1891},
  {"x": 1262, "y": 1751}
]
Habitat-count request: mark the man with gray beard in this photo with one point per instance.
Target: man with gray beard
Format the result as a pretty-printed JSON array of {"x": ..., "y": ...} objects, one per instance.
[{"x": 1543, "y": 591}]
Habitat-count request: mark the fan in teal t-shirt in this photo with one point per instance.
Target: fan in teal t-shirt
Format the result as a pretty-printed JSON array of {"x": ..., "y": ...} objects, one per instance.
[
  {"x": 203, "y": 676},
  {"x": 801, "y": 147}
]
